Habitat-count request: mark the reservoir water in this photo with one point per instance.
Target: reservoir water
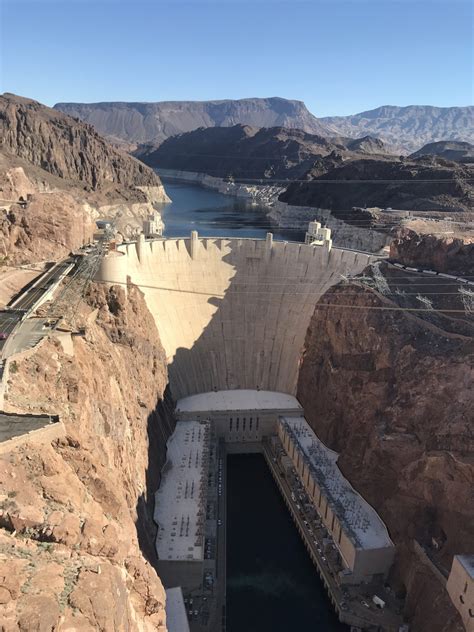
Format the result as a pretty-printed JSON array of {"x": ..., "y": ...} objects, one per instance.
[
  {"x": 272, "y": 585},
  {"x": 213, "y": 214}
]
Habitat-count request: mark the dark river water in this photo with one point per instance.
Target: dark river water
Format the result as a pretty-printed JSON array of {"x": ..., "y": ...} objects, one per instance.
[
  {"x": 272, "y": 585},
  {"x": 213, "y": 214}
]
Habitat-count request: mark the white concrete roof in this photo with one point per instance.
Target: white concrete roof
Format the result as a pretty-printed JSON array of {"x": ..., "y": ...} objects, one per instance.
[
  {"x": 355, "y": 514},
  {"x": 238, "y": 400},
  {"x": 180, "y": 502},
  {"x": 468, "y": 562},
  {"x": 176, "y": 619}
]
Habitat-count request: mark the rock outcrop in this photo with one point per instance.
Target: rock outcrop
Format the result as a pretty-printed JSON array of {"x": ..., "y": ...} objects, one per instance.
[
  {"x": 448, "y": 253},
  {"x": 69, "y": 149},
  {"x": 57, "y": 176},
  {"x": 391, "y": 391},
  {"x": 76, "y": 525},
  {"x": 48, "y": 225}
]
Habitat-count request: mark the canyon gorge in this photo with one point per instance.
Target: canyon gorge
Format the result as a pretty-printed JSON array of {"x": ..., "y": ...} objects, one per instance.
[{"x": 387, "y": 386}]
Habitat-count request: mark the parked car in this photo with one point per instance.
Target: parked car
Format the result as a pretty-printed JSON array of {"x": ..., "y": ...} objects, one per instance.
[{"x": 3, "y": 335}]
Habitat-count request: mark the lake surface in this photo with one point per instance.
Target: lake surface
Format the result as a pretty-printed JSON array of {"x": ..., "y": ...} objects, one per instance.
[
  {"x": 272, "y": 585},
  {"x": 213, "y": 214}
]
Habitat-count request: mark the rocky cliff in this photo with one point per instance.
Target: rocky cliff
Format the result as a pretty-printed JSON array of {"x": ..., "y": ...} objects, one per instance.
[
  {"x": 76, "y": 526},
  {"x": 153, "y": 122},
  {"x": 444, "y": 253},
  {"x": 391, "y": 391},
  {"x": 70, "y": 149},
  {"x": 57, "y": 176}
]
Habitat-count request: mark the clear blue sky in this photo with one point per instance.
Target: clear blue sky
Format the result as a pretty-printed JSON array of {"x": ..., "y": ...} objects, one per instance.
[{"x": 338, "y": 56}]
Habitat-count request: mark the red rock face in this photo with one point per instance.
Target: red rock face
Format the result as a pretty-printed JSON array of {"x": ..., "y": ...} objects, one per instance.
[
  {"x": 75, "y": 515},
  {"x": 454, "y": 255},
  {"x": 393, "y": 394}
]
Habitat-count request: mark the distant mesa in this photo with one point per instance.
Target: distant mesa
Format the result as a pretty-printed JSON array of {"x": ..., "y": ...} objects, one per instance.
[{"x": 154, "y": 122}]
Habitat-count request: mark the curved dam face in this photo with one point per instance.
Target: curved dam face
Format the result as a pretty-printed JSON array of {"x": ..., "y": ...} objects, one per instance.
[{"x": 231, "y": 313}]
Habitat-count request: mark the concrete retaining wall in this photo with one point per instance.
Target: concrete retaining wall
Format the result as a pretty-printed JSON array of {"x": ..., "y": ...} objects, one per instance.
[{"x": 231, "y": 313}]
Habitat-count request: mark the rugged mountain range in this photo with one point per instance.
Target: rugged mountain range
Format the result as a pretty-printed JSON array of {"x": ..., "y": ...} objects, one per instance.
[
  {"x": 245, "y": 152},
  {"x": 406, "y": 129},
  {"x": 153, "y": 122},
  {"x": 449, "y": 149},
  {"x": 334, "y": 174}
]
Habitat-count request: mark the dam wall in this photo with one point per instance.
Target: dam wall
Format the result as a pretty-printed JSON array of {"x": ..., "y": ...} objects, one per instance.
[{"x": 231, "y": 313}]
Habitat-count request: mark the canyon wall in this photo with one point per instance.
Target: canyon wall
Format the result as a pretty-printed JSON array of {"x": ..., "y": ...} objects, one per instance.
[
  {"x": 392, "y": 393},
  {"x": 231, "y": 313},
  {"x": 75, "y": 514},
  {"x": 446, "y": 253},
  {"x": 68, "y": 148}
]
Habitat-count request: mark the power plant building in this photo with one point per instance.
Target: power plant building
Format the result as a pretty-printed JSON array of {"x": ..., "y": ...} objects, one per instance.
[
  {"x": 460, "y": 586},
  {"x": 180, "y": 507},
  {"x": 360, "y": 536},
  {"x": 240, "y": 416}
]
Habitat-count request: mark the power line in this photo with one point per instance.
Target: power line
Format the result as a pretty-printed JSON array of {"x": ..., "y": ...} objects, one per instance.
[
  {"x": 435, "y": 279},
  {"x": 264, "y": 181},
  {"x": 288, "y": 295}
]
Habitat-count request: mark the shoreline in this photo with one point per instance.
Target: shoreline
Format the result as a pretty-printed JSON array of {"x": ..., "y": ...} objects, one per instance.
[{"x": 285, "y": 215}]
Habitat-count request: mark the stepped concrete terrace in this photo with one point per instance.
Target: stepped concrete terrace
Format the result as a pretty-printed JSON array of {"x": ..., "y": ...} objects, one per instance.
[{"x": 231, "y": 313}]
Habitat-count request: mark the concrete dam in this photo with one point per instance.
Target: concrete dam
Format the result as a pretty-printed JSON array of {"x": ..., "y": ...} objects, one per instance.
[{"x": 231, "y": 313}]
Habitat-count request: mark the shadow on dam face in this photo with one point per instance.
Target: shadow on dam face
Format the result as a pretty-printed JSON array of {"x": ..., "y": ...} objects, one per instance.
[{"x": 231, "y": 313}]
